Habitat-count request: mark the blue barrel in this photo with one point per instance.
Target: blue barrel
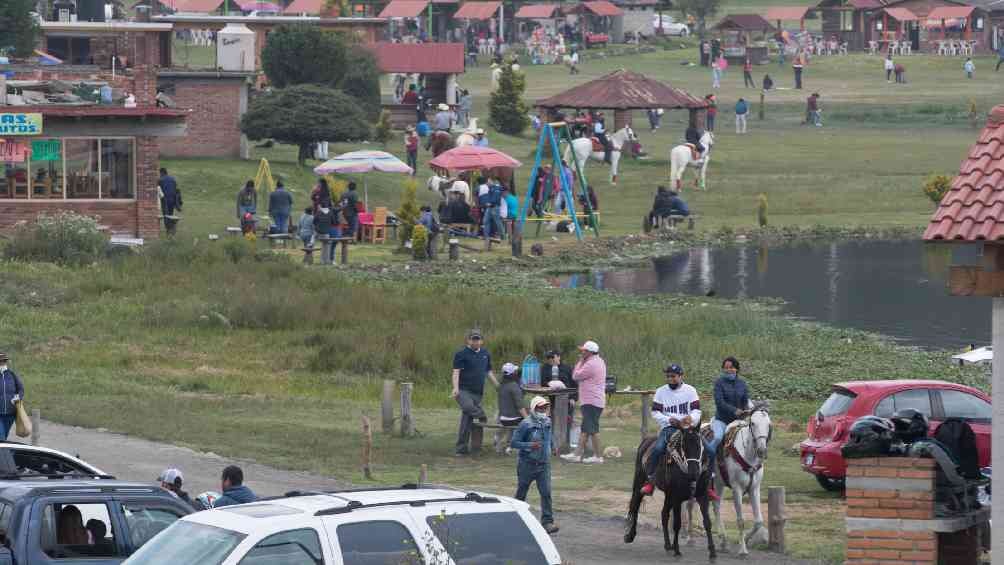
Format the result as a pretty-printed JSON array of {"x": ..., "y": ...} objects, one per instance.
[
  {"x": 422, "y": 129},
  {"x": 530, "y": 372}
]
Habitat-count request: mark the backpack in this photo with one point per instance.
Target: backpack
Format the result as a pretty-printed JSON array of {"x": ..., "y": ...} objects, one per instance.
[{"x": 957, "y": 436}]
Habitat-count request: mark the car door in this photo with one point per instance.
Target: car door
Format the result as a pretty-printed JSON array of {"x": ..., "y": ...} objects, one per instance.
[
  {"x": 378, "y": 538},
  {"x": 973, "y": 410},
  {"x": 141, "y": 519},
  {"x": 74, "y": 530}
]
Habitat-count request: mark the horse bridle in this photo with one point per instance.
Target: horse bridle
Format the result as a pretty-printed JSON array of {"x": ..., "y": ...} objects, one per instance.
[{"x": 749, "y": 423}]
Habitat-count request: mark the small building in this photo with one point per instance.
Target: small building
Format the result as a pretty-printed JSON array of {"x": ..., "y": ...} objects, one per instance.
[
  {"x": 638, "y": 18},
  {"x": 847, "y": 21},
  {"x": 436, "y": 64},
  {"x": 780, "y": 14},
  {"x": 217, "y": 100},
  {"x": 600, "y": 22},
  {"x": 935, "y": 20},
  {"x": 744, "y": 35}
]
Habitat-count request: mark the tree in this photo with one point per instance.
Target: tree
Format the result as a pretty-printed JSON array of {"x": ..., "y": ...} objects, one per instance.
[
  {"x": 18, "y": 28},
  {"x": 362, "y": 80},
  {"x": 702, "y": 10},
  {"x": 304, "y": 54},
  {"x": 409, "y": 212},
  {"x": 508, "y": 109},
  {"x": 303, "y": 115},
  {"x": 382, "y": 132}
]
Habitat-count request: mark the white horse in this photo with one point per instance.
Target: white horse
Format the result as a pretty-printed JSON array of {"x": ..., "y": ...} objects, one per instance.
[
  {"x": 681, "y": 157},
  {"x": 467, "y": 137},
  {"x": 583, "y": 148},
  {"x": 744, "y": 467}
]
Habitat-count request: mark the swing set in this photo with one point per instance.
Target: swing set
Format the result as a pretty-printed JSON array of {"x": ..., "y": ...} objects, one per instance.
[{"x": 549, "y": 136}]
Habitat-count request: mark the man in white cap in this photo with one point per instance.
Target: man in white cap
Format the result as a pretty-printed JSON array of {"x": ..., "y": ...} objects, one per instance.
[
  {"x": 171, "y": 481},
  {"x": 591, "y": 374},
  {"x": 443, "y": 120},
  {"x": 479, "y": 138},
  {"x": 533, "y": 440}
]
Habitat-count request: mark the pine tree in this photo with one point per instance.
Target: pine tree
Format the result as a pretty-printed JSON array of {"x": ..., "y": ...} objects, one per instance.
[
  {"x": 408, "y": 213},
  {"x": 508, "y": 109},
  {"x": 382, "y": 132}
]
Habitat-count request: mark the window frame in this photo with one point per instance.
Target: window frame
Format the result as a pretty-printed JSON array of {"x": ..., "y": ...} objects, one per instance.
[
  {"x": 943, "y": 414},
  {"x": 35, "y": 528},
  {"x": 148, "y": 504},
  {"x": 933, "y": 403},
  {"x": 332, "y": 529},
  {"x": 29, "y": 164}
]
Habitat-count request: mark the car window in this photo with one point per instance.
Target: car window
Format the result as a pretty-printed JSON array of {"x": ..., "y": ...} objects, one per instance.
[
  {"x": 919, "y": 399},
  {"x": 146, "y": 521},
  {"x": 958, "y": 404},
  {"x": 886, "y": 408},
  {"x": 498, "y": 537},
  {"x": 296, "y": 547},
  {"x": 377, "y": 543},
  {"x": 188, "y": 542},
  {"x": 36, "y": 463},
  {"x": 74, "y": 531},
  {"x": 838, "y": 403}
]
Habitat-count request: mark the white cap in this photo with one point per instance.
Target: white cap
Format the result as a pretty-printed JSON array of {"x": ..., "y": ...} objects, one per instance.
[
  {"x": 172, "y": 477},
  {"x": 590, "y": 346},
  {"x": 443, "y": 107},
  {"x": 537, "y": 401},
  {"x": 509, "y": 368}
]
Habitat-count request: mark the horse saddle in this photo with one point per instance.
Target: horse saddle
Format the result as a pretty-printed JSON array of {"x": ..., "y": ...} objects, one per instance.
[
  {"x": 693, "y": 151},
  {"x": 597, "y": 146},
  {"x": 674, "y": 451}
]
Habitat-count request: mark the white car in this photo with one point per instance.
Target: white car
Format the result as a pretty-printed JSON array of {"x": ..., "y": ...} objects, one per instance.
[
  {"x": 406, "y": 525},
  {"x": 670, "y": 26},
  {"x": 18, "y": 460}
]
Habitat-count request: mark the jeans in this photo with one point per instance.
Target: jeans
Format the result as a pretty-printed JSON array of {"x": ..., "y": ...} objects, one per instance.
[
  {"x": 353, "y": 222},
  {"x": 748, "y": 79},
  {"x": 413, "y": 161},
  {"x": 888, "y": 75},
  {"x": 470, "y": 410},
  {"x": 281, "y": 222},
  {"x": 334, "y": 232},
  {"x": 718, "y": 429},
  {"x": 740, "y": 123},
  {"x": 7, "y": 422},
  {"x": 798, "y": 78},
  {"x": 999, "y": 61},
  {"x": 308, "y": 240},
  {"x": 659, "y": 450},
  {"x": 816, "y": 119},
  {"x": 491, "y": 222},
  {"x": 528, "y": 472},
  {"x": 716, "y": 78},
  {"x": 709, "y": 121}
]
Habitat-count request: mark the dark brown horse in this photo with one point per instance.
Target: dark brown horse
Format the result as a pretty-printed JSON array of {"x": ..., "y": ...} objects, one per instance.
[
  {"x": 439, "y": 142},
  {"x": 681, "y": 476}
]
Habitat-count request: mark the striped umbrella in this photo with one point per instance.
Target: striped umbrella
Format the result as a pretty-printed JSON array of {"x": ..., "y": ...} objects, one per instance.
[{"x": 363, "y": 162}]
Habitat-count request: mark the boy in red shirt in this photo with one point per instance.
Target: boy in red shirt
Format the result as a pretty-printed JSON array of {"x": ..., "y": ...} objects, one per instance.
[
  {"x": 748, "y": 74},
  {"x": 411, "y": 146}
]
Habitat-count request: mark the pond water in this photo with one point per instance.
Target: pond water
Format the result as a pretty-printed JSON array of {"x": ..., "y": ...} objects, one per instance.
[{"x": 896, "y": 288}]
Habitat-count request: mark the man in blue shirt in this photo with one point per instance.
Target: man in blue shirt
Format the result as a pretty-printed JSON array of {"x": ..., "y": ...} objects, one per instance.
[
  {"x": 479, "y": 138},
  {"x": 470, "y": 367},
  {"x": 170, "y": 200}
]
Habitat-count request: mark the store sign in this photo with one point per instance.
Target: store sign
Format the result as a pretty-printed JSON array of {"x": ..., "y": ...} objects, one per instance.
[
  {"x": 45, "y": 150},
  {"x": 13, "y": 152},
  {"x": 20, "y": 124}
]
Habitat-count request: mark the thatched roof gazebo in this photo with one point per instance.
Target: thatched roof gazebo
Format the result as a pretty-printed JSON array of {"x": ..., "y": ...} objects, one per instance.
[{"x": 623, "y": 91}]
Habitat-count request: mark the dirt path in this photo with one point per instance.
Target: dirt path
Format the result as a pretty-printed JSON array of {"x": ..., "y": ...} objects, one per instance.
[{"x": 583, "y": 540}]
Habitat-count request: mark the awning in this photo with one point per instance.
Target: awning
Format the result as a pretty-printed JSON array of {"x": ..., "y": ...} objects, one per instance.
[
  {"x": 901, "y": 14},
  {"x": 403, "y": 9},
  {"x": 950, "y": 12},
  {"x": 537, "y": 11},
  {"x": 420, "y": 58},
  {"x": 477, "y": 11},
  {"x": 787, "y": 13},
  {"x": 865, "y": 4},
  {"x": 603, "y": 8}
]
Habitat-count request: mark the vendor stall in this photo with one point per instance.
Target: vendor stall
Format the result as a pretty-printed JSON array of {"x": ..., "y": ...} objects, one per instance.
[
  {"x": 596, "y": 22},
  {"x": 538, "y": 28},
  {"x": 744, "y": 35}
]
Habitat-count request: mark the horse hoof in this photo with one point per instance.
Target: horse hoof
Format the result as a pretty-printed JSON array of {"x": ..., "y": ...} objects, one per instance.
[
  {"x": 677, "y": 554},
  {"x": 628, "y": 538}
]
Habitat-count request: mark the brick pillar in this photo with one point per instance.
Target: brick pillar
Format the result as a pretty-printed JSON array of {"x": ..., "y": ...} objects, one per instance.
[{"x": 147, "y": 175}]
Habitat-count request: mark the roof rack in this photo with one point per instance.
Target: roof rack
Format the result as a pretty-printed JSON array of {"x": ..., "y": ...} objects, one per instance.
[
  {"x": 35, "y": 476},
  {"x": 356, "y": 505}
]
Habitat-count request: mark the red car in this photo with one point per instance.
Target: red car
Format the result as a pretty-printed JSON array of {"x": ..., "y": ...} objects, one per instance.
[{"x": 937, "y": 400}]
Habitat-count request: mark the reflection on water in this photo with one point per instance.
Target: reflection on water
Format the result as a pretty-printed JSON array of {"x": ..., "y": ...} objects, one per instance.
[{"x": 895, "y": 288}]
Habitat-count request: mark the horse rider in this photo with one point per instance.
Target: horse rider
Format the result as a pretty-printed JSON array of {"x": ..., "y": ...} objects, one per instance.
[
  {"x": 600, "y": 131},
  {"x": 693, "y": 136},
  {"x": 732, "y": 401},
  {"x": 479, "y": 138},
  {"x": 442, "y": 121},
  {"x": 676, "y": 407}
]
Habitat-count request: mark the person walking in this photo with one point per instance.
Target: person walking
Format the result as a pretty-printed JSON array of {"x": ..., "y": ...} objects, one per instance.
[
  {"x": 411, "y": 147},
  {"x": 350, "y": 210},
  {"x": 742, "y": 112},
  {"x": 676, "y": 406},
  {"x": 471, "y": 365},
  {"x": 812, "y": 110},
  {"x": 171, "y": 481},
  {"x": 797, "y": 64},
  {"x": 900, "y": 72},
  {"x": 234, "y": 490},
  {"x": 247, "y": 200},
  {"x": 305, "y": 227},
  {"x": 533, "y": 440},
  {"x": 170, "y": 200},
  {"x": 889, "y": 66},
  {"x": 969, "y": 67},
  {"x": 711, "y": 112},
  {"x": 716, "y": 75},
  {"x": 748, "y": 74},
  {"x": 591, "y": 374},
  {"x": 654, "y": 118},
  {"x": 11, "y": 392},
  {"x": 280, "y": 206}
]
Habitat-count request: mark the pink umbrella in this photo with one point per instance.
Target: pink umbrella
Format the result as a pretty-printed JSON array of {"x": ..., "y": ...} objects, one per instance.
[{"x": 472, "y": 158}]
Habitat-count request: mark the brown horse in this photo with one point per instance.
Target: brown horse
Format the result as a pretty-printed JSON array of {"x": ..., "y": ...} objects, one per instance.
[{"x": 439, "y": 142}]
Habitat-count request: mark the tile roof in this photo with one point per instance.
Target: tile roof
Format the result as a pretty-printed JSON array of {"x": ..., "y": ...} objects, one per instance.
[
  {"x": 422, "y": 58},
  {"x": 603, "y": 8},
  {"x": 744, "y": 22},
  {"x": 477, "y": 10},
  {"x": 973, "y": 209},
  {"x": 950, "y": 12},
  {"x": 201, "y": 6},
  {"x": 901, "y": 14},
  {"x": 866, "y": 4},
  {"x": 403, "y": 9},
  {"x": 536, "y": 11},
  {"x": 304, "y": 7},
  {"x": 787, "y": 13},
  {"x": 623, "y": 90}
]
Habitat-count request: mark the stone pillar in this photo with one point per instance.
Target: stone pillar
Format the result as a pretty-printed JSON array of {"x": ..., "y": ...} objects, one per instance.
[{"x": 621, "y": 118}]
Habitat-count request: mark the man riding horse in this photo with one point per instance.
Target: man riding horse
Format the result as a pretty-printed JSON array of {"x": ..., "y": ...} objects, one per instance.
[
  {"x": 442, "y": 123},
  {"x": 676, "y": 406},
  {"x": 693, "y": 137}
]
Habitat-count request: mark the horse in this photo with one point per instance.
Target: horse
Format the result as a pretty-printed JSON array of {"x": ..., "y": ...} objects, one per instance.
[
  {"x": 585, "y": 147},
  {"x": 467, "y": 137},
  {"x": 440, "y": 142},
  {"x": 681, "y": 157},
  {"x": 740, "y": 467},
  {"x": 682, "y": 476}
]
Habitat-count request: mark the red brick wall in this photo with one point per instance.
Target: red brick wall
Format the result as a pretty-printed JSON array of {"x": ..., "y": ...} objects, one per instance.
[{"x": 214, "y": 126}]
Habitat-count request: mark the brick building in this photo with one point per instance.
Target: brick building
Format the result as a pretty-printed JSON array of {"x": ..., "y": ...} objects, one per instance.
[{"x": 217, "y": 101}]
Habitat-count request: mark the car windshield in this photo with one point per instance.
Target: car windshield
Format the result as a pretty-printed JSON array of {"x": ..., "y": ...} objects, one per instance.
[
  {"x": 187, "y": 542},
  {"x": 838, "y": 403}
]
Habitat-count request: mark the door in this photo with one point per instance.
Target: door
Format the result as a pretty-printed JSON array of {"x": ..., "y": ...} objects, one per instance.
[
  {"x": 301, "y": 546},
  {"x": 143, "y": 519},
  {"x": 914, "y": 36},
  {"x": 74, "y": 530},
  {"x": 973, "y": 410}
]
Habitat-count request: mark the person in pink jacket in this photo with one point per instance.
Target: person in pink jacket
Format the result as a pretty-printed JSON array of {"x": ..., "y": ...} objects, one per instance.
[{"x": 591, "y": 374}]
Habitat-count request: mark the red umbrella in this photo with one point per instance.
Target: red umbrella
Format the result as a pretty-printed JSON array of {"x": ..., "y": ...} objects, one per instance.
[{"x": 471, "y": 158}]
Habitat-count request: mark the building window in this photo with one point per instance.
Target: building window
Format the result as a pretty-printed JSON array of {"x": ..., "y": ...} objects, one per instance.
[
  {"x": 82, "y": 171},
  {"x": 117, "y": 165},
  {"x": 979, "y": 24},
  {"x": 846, "y": 21},
  {"x": 68, "y": 168}
]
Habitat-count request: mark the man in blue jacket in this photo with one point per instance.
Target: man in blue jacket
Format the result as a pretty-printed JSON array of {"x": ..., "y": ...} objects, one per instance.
[
  {"x": 280, "y": 204},
  {"x": 533, "y": 440},
  {"x": 234, "y": 491},
  {"x": 11, "y": 391}
]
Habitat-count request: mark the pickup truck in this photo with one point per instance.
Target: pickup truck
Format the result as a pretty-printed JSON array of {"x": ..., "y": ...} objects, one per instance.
[{"x": 71, "y": 520}]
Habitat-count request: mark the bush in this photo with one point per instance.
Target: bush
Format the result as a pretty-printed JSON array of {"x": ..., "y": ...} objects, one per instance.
[
  {"x": 408, "y": 213},
  {"x": 419, "y": 242},
  {"x": 936, "y": 186},
  {"x": 382, "y": 132},
  {"x": 65, "y": 237},
  {"x": 508, "y": 109}
]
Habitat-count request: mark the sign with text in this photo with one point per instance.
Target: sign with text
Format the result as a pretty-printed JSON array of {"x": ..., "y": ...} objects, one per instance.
[
  {"x": 13, "y": 152},
  {"x": 45, "y": 150},
  {"x": 20, "y": 124}
]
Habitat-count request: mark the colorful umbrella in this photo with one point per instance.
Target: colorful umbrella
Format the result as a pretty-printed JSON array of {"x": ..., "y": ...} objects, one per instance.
[
  {"x": 363, "y": 162},
  {"x": 471, "y": 158}
]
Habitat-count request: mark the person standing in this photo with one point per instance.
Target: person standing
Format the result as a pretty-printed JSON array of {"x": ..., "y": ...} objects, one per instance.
[
  {"x": 533, "y": 440},
  {"x": 305, "y": 227},
  {"x": 443, "y": 120},
  {"x": 812, "y": 110},
  {"x": 11, "y": 392},
  {"x": 712, "y": 112},
  {"x": 234, "y": 490},
  {"x": 511, "y": 409},
  {"x": 573, "y": 63},
  {"x": 797, "y": 64},
  {"x": 748, "y": 73},
  {"x": 321, "y": 195},
  {"x": 591, "y": 374},
  {"x": 716, "y": 74},
  {"x": 247, "y": 200},
  {"x": 705, "y": 48},
  {"x": 767, "y": 83},
  {"x": 411, "y": 147},
  {"x": 969, "y": 67},
  {"x": 1000, "y": 57},
  {"x": 171, "y": 481},
  {"x": 280, "y": 205},
  {"x": 350, "y": 210},
  {"x": 676, "y": 406},
  {"x": 654, "y": 118},
  {"x": 471, "y": 365},
  {"x": 742, "y": 112},
  {"x": 900, "y": 72},
  {"x": 889, "y": 67},
  {"x": 466, "y": 101},
  {"x": 554, "y": 370},
  {"x": 170, "y": 200}
]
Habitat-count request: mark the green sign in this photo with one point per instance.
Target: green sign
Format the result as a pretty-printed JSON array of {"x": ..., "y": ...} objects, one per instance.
[
  {"x": 45, "y": 150},
  {"x": 20, "y": 124}
]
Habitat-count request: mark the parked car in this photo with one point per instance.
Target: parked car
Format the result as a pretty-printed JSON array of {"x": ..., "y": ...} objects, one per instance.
[
  {"x": 71, "y": 521},
  {"x": 670, "y": 26},
  {"x": 365, "y": 527},
  {"x": 937, "y": 400},
  {"x": 18, "y": 459}
]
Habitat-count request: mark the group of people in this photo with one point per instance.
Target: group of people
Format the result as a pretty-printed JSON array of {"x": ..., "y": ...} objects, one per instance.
[
  {"x": 325, "y": 216},
  {"x": 233, "y": 491}
]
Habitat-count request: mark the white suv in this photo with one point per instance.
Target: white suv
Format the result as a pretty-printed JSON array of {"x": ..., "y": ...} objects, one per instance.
[{"x": 405, "y": 525}]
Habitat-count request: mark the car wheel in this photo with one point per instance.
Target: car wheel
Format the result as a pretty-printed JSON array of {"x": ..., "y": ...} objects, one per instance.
[{"x": 832, "y": 485}]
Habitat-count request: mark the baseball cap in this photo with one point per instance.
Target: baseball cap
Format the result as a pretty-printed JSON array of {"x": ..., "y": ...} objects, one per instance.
[
  {"x": 474, "y": 334},
  {"x": 509, "y": 368},
  {"x": 590, "y": 346},
  {"x": 537, "y": 402},
  {"x": 171, "y": 477},
  {"x": 674, "y": 368},
  {"x": 552, "y": 353}
]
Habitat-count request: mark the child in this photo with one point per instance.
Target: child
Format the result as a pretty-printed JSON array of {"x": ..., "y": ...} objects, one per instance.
[
  {"x": 411, "y": 146},
  {"x": 533, "y": 440},
  {"x": 900, "y": 71},
  {"x": 306, "y": 227},
  {"x": 969, "y": 67},
  {"x": 511, "y": 410}
]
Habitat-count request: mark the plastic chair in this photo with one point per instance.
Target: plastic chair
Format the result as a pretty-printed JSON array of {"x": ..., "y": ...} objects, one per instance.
[{"x": 375, "y": 231}]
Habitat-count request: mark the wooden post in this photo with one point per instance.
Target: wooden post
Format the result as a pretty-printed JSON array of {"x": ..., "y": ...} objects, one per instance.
[
  {"x": 387, "y": 407},
  {"x": 345, "y": 253},
  {"x": 646, "y": 398},
  {"x": 454, "y": 250},
  {"x": 36, "y": 421},
  {"x": 516, "y": 239},
  {"x": 367, "y": 447},
  {"x": 762, "y": 111},
  {"x": 560, "y": 422},
  {"x": 407, "y": 426},
  {"x": 423, "y": 475},
  {"x": 775, "y": 519},
  {"x": 325, "y": 250}
]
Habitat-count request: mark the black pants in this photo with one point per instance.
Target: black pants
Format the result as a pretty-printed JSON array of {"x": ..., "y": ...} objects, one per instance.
[
  {"x": 888, "y": 74},
  {"x": 798, "y": 78},
  {"x": 999, "y": 61},
  {"x": 602, "y": 138},
  {"x": 748, "y": 79}
]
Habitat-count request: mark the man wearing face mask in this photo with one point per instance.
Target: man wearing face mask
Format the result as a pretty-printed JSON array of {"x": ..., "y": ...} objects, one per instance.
[
  {"x": 533, "y": 440},
  {"x": 676, "y": 406},
  {"x": 11, "y": 391},
  {"x": 732, "y": 399}
]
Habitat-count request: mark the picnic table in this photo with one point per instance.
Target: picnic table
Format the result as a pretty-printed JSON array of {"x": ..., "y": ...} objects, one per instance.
[
  {"x": 327, "y": 242},
  {"x": 646, "y": 406}
]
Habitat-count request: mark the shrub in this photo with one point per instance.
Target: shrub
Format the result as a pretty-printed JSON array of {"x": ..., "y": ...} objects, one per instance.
[
  {"x": 382, "y": 132},
  {"x": 408, "y": 213},
  {"x": 419, "y": 242},
  {"x": 508, "y": 109},
  {"x": 65, "y": 237},
  {"x": 761, "y": 210},
  {"x": 936, "y": 186}
]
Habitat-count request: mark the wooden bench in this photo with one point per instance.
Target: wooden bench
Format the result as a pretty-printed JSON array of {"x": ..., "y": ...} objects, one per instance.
[
  {"x": 235, "y": 231},
  {"x": 326, "y": 250},
  {"x": 669, "y": 222},
  {"x": 280, "y": 237}
]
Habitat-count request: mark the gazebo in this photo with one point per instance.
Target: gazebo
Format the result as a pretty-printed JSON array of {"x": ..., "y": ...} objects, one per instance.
[
  {"x": 737, "y": 30},
  {"x": 624, "y": 91}
]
